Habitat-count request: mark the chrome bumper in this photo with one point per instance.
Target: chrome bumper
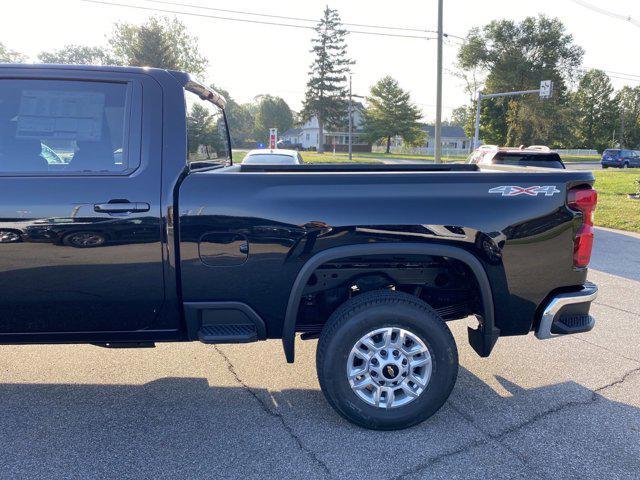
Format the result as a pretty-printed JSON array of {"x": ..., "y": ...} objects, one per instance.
[{"x": 587, "y": 294}]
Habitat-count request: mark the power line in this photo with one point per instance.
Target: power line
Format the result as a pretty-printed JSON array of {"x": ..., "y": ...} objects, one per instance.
[
  {"x": 608, "y": 13},
  {"x": 261, "y": 22},
  {"x": 300, "y": 19}
]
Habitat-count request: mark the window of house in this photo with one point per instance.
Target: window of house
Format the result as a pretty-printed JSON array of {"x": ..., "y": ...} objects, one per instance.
[
  {"x": 206, "y": 131},
  {"x": 64, "y": 127}
]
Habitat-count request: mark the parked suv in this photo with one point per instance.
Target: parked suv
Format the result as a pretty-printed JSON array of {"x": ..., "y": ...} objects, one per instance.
[
  {"x": 533, "y": 156},
  {"x": 615, "y": 157}
]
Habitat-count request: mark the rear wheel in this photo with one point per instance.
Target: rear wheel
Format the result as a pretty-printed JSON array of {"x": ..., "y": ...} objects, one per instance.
[{"x": 386, "y": 360}]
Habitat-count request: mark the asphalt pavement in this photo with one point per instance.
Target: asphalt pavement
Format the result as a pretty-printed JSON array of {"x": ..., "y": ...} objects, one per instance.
[{"x": 562, "y": 408}]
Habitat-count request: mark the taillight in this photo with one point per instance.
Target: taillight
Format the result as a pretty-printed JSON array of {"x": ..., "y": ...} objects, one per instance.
[{"x": 583, "y": 200}]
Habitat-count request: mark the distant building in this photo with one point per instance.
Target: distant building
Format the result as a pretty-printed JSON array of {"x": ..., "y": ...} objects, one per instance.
[
  {"x": 452, "y": 137},
  {"x": 307, "y": 135}
]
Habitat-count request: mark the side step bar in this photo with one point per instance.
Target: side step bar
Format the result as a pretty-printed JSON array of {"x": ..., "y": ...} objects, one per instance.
[
  {"x": 568, "y": 313},
  {"x": 223, "y": 322},
  {"x": 228, "y": 334}
]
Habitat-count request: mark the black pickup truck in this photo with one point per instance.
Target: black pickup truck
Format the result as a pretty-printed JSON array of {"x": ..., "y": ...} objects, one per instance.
[{"x": 123, "y": 222}]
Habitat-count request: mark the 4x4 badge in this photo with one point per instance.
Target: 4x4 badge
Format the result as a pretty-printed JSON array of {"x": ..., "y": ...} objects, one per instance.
[{"x": 514, "y": 190}]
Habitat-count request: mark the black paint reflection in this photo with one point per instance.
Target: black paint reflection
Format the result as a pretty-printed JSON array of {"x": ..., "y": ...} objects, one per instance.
[{"x": 83, "y": 232}]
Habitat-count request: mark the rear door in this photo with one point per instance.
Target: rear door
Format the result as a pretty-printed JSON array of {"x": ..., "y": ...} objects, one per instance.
[{"x": 79, "y": 202}]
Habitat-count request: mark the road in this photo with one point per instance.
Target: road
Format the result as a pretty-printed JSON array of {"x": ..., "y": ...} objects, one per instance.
[{"x": 562, "y": 408}]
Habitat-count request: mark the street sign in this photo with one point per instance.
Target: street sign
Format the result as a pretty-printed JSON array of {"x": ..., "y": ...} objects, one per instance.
[
  {"x": 546, "y": 89},
  {"x": 273, "y": 137}
]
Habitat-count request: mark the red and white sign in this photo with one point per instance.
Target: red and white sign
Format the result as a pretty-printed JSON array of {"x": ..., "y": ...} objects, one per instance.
[{"x": 273, "y": 137}]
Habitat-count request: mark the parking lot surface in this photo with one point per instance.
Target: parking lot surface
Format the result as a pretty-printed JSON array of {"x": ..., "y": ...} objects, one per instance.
[{"x": 562, "y": 408}]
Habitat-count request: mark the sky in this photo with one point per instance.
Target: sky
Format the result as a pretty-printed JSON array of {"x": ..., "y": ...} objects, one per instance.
[{"x": 251, "y": 59}]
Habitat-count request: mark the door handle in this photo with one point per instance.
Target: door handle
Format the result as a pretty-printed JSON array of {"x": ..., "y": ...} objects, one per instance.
[{"x": 121, "y": 207}]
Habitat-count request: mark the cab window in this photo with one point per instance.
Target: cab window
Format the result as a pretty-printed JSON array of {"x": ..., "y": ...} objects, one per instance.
[{"x": 63, "y": 126}]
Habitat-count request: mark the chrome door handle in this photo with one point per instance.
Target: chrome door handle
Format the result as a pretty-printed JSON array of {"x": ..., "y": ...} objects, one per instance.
[{"x": 124, "y": 207}]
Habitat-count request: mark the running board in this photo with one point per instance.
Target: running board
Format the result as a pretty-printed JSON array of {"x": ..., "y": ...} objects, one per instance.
[
  {"x": 223, "y": 322},
  {"x": 228, "y": 334}
]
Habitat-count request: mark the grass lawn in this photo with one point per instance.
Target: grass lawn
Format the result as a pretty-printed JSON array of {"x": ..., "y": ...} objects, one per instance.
[
  {"x": 581, "y": 159},
  {"x": 614, "y": 209},
  {"x": 313, "y": 157}
]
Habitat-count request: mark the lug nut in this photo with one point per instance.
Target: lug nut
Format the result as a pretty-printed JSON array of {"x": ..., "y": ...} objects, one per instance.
[{"x": 396, "y": 353}]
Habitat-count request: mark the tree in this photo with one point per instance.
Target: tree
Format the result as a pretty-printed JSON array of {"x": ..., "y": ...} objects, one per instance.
[
  {"x": 326, "y": 93},
  {"x": 10, "y": 56},
  {"x": 240, "y": 119},
  {"x": 460, "y": 116},
  {"x": 161, "y": 42},
  {"x": 628, "y": 103},
  {"x": 79, "y": 55},
  {"x": 203, "y": 131},
  {"x": 273, "y": 112},
  {"x": 390, "y": 113},
  {"x": 517, "y": 56},
  {"x": 595, "y": 111}
]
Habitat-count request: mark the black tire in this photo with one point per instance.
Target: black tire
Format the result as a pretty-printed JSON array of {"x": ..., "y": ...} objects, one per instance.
[
  {"x": 84, "y": 239},
  {"x": 365, "y": 313}
]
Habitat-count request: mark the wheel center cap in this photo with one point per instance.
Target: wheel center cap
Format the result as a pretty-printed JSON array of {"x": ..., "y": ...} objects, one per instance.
[{"x": 390, "y": 371}]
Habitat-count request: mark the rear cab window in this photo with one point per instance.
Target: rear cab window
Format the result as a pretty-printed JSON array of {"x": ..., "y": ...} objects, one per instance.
[{"x": 50, "y": 127}]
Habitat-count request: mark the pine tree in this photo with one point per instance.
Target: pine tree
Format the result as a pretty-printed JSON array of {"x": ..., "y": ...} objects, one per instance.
[
  {"x": 390, "y": 113},
  {"x": 326, "y": 95}
]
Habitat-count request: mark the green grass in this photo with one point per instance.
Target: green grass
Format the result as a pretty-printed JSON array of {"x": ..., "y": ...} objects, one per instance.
[
  {"x": 581, "y": 159},
  {"x": 313, "y": 157},
  {"x": 615, "y": 209}
]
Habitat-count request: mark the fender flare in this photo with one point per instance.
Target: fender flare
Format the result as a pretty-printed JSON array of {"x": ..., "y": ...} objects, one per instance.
[{"x": 482, "y": 339}]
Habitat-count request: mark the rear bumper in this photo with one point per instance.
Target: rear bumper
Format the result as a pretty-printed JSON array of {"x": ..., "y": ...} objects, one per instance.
[{"x": 567, "y": 313}]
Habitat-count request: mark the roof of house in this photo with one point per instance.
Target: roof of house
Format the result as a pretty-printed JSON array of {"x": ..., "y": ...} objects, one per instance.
[
  {"x": 448, "y": 131},
  {"x": 292, "y": 132}
]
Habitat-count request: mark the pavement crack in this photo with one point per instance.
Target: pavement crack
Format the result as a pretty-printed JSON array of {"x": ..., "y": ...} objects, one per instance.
[
  {"x": 592, "y": 399},
  {"x": 579, "y": 339},
  {"x": 636, "y": 314},
  {"x": 615, "y": 382},
  {"x": 498, "y": 437},
  {"x": 275, "y": 414},
  {"x": 417, "y": 469}
]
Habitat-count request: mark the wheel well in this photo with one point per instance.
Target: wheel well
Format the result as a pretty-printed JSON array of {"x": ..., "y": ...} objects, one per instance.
[
  {"x": 446, "y": 284},
  {"x": 482, "y": 339}
]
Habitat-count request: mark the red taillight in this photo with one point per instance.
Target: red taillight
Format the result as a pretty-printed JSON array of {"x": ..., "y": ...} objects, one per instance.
[{"x": 583, "y": 200}]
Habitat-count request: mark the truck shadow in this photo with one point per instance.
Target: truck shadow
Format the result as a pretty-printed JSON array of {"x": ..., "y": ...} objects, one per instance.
[
  {"x": 616, "y": 253},
  {"x": 185, "y": 427}
]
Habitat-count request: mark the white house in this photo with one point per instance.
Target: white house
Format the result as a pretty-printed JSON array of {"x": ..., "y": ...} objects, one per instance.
[
  {"x": 308, "y": 134},
  {"x": 452, "y": 137}
]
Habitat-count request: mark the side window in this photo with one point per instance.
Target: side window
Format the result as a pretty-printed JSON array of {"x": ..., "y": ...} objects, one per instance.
[
  {"x": 206, "y": 131},
  {"x": 64, "y": 127}
]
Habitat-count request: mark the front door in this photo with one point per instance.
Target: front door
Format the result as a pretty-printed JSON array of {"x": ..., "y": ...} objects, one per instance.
[{"x": 80, "y": 230}]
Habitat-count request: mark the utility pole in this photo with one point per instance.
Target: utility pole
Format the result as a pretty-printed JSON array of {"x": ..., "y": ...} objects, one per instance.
[
  {"x": 438, "y": 139},
  {"x": 350, "y": 119}
]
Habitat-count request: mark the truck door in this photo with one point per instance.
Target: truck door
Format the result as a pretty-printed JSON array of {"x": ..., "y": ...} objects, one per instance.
[{"x": 80, "y": 230}]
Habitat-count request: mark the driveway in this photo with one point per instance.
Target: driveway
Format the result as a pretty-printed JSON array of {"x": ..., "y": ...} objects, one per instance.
[{"x": 563, "y": 408}]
